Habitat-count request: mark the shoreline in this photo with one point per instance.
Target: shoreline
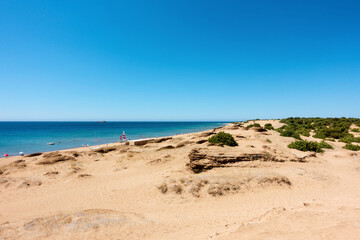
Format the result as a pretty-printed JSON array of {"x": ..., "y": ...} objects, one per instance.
[{"x": 110, "y": 143}]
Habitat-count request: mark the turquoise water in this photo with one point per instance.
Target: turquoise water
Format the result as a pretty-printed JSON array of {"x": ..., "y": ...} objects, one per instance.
[{"x": 29, "y": 137}]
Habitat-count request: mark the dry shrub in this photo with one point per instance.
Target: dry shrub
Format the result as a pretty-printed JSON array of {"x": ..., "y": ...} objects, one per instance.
[
  {"x": 163, "y": 188},
  {"x": 177, "y": 189},
  {"x": 280, "y": 180}
]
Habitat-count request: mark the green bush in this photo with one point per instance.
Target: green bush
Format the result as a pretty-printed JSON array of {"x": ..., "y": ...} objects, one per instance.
[
  {"x": 357, "y": 130},
  {"x": 303, "y": 131},
  {"x": 349, "y": 139},
  {"x": 323, "y": 144},
  {"x": 253, "y": 125},
  {"x": 304, "y": 146},
  {"x": 352, "y": 147},
  {"x": 269, "y": 126},
  {"x": 323, "y": 127},
  {"x": 330, "y": 139},
  {"x": 289, "y": 133},
  {"x": 224, "y": 138}
]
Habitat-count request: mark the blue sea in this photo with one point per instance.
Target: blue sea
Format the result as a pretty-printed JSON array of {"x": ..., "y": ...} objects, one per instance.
[{"x": 30, "y": 137}]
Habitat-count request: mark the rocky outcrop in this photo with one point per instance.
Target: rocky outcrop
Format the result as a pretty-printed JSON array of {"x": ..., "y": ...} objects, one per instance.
[
  {"x": 201, "y": 160},
  {"x": 143, "y": 142},
  {"x": 105, "y": 149},
  {"x": 165, "y": 148},
  {"x": 163, "y": 139},
  {"x": 34, "y": 154}
]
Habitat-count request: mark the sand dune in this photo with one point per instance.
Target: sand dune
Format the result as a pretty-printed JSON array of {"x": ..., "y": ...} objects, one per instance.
[{"x": 182, "y": 187}]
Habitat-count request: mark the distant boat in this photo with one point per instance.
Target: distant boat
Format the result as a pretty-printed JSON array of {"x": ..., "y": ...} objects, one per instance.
[
  {"x": 51, "y": 143},
  {"x": 100, "y": 121}
]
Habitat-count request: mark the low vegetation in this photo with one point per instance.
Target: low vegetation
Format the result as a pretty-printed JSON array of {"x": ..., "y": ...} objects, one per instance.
[
  {"x": 352, "y": 147},
  {"x": 253, "y": 125},
  {"x": 289, "y": 133},
  {"x": 324, "y": 144},
  {"x": 324, "y": 128},
  {"x": 349, "y": 139},
  {"x": 357, "y": 130},
  {"x": 304, "y": 146},
  {"x": 239, "y": 124},
  {"x": 269, "y": 126},
  {"x": 224, "y": 138}
]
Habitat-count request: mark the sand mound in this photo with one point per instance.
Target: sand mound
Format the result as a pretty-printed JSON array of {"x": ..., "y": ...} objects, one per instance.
[
  {"x": 83, "y": 221},
  {"x": 54, "y": 157},
  {"x": 206, "y": 134},
  {"x": 18, "y": 164},
  {"x": 183, "y": 144},
  {"x": 29, "y": 183},
  {"x": 303, "y": 223}
]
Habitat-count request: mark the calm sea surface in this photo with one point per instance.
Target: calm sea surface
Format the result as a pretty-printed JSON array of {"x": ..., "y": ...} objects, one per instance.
[{"x": 29, "y": 137}]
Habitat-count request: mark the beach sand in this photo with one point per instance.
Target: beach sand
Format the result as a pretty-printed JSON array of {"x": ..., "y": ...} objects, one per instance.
[{"x": 258, "y": 190}]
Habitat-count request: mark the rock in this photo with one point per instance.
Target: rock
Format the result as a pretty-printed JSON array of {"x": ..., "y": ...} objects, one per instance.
[
  {"x": 163, "y": 139},
  {"x": 239, "y": 136},
  {"x": 201, "y": 159},
  {"x": 84, "y": 175},
  {"x": 34, "y": 154},
  {"x": 105, "y": 150},
  {"x": 143, "y": 142},
  {"x": 201, "y": 141},
  {"x": 166, "y": 147}
]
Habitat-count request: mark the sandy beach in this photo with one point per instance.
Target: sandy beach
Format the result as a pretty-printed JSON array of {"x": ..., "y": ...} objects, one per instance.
[{"x": 183, "y": 187}]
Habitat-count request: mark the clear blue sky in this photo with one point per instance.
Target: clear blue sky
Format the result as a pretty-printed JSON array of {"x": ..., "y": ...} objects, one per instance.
[{"x": 178, "y": 60}]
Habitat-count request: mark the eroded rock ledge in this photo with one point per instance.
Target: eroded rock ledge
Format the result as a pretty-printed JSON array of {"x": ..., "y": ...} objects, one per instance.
[{"x": 201, "y": 159}]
